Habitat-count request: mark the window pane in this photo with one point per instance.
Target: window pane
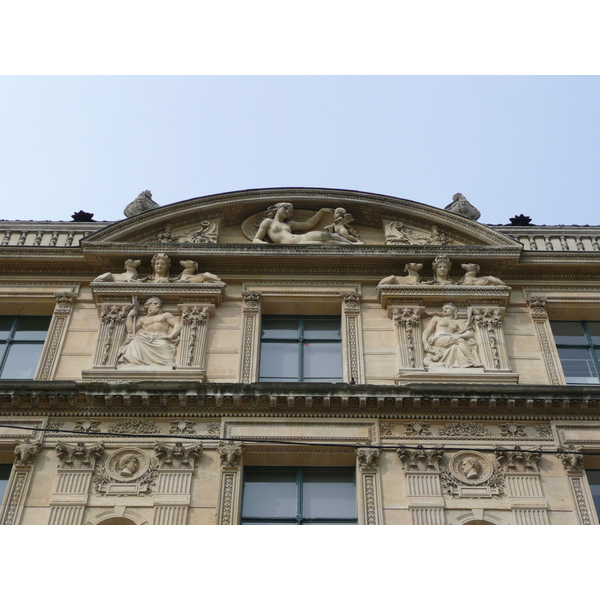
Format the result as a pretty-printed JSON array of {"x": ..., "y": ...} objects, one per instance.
[
  {"x": 4, "y": 475},
  {"x": 22, "y": 361},
  {"x": 568, "y": 332},
  {"x": 6, "y": 324},
  {"x": 322, "y": 362},
  {"x": 593, "y": 477},
  {"x": 280, "y": 327},
  {"x": 322, "y": 328},
  {"x": 279, "y": 361},
  {"x": 594, "y": 329},
  {"x": 270, "y": 493},
  {"x": 32, "y": 328},
  {"x": 578, "y": 365},
  {"x": 329, "y": 494}
]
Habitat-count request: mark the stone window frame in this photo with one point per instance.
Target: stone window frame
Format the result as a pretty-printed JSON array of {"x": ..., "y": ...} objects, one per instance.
[
  {"x": 306, "y": 298},
  {"x": 559, "y": 303},
  {"x": 56, "y": 301}
]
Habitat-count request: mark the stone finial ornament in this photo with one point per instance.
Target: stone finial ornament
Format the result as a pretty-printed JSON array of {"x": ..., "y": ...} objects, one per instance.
[
  {"x": 461, "y": 206},
  {"x": 141, "y": 204}
]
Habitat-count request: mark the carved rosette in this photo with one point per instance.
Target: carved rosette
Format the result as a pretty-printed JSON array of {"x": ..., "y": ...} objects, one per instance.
[
  {"x": 251, "y": 336},
  {"x": 56, "y": 334},
  {"x": 537, "y": 307},
  {"x": 351, "y": 333},
  {"x": 408, "y": 325}
]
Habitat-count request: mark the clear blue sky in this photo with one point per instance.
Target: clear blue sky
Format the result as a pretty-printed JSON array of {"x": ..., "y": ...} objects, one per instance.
[{"x": 510, "y": 144}]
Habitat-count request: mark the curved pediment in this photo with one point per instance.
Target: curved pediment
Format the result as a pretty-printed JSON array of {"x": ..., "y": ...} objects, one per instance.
[{"x": 234, "y": 217}]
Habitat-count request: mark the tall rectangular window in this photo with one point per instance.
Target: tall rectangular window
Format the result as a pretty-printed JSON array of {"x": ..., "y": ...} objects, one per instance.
[
  {"x": 21, "y": 343},
  {"x": 299, "y": 496},
  {"x": 301, "y": 348},
  {"x": 593, "y": 477},
  {"x": 578, "y": 344},
  {"x": 4, "y": 475}
]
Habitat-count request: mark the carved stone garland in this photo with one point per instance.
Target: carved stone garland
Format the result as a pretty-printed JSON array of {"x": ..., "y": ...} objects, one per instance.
[
  {"x": 56, "y": 334},
  {"x": 229, "y": 505},
  {"x": 250, "y": 336},
  {"x": 537, "y": 306},
  {"x": 26, "y": 451},
  {"x": 369, "y": 486}
]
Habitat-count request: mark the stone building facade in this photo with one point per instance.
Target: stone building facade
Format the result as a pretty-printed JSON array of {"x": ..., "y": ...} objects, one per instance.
[{"x": 300, "y": 356}]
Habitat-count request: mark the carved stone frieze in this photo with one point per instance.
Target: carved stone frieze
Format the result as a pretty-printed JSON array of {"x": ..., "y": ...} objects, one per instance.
[
  {"x": 87, "y": 426},
  {"x": 26, "y": 451},
  {"x": 207, "y": 232},
  {"x": 398, "y": 234},
  {"x": 134, "y": 426},
  {"x": 79, "y": 456},
  {"x": 182, "y": 427},
  {"x": 571, "y": 457},
  {"x": 544, "y": 430},
  {"x": 471, "y": 475},
  {"x": 368, "y": 458},
  {"x": 519, "y": 461},
  {"x": 386, "y": 429},
  {"x": 512, "y": 430},
  {"x": 177, "y": 456},
  {"x": 464, "y": 429},
  {"x": 230, "y": 453},
  {"x": 417, "y": 429},
  {"x": 421, "y": 459}
]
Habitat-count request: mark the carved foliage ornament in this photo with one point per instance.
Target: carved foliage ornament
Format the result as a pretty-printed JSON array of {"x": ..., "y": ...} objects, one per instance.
[
  {"x": 518, "y": 461},
  {"x": 207, "y": 233},
  {"x": 572, "y": 458},
  {"x": 368, "y": 458},
  {"x": 420, "y": 459},
  {"x": 399, "y": 234},
  {"x": 230, "y": 453},
  {"x": 134, "y": 426},
  {"x": 464, "y": 429},
  {"x": 26, "y": 452},
  {"x": 79, "y": 456}
]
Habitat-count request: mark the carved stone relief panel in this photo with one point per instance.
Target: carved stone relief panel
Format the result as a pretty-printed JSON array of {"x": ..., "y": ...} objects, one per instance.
[
  {"x": 398, "y": 234},
  {"x": 126, "y": 472},
  {"x": 470, "y": 474}
]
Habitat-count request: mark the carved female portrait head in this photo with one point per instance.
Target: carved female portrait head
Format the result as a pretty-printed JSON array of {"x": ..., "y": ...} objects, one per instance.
[
  {"x": 450, "y": 310},
  {"x": 286, "y": 209},
  {"x": 160, "y": 265},
  {"x": 441, "y": 268}
]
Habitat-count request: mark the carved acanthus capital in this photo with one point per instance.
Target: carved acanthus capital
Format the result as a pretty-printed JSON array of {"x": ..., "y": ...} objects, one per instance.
[
  {"x": 407, "y": 316},
  {"x": 114, "y": 313},
  {"x": 537, "y": 305},
  {"x": 488, "y": 317},
  {"x": 351, "y": 302},
  {"x": 230, "y": 453},
  {"x": 517, "y": 460},
  {"x": 572, "y": 458},
  {"x": 251, "y": 301},
  {"x": 79, "y": 456},
  {"x": 368, "y": 458},
  {"x": 64, "y": 302},
  {"x": 419, "y": 459},
  {"x": 26, "y": 452},
  {"x": 177, "y": 456},
  {"x": 195, "y": 314}
]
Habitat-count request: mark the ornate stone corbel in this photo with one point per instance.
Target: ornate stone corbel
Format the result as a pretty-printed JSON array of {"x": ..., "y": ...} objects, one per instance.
[
  {"x": 572, "y": 458},
  {"x": 352, "y": 334},
  {"x": 537, "y": 306},
  {"x": 250, "y": 336},
  {"x": 26, "y": 452},
  {"x": 230, "y": 453}
]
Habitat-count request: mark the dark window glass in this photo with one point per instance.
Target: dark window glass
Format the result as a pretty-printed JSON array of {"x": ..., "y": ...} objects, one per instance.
[
  {"x": 593, "y": 477},
  {"x": 4, "y": 475},
  {"x": 301, "y": 348},
  {"x": 578, "y": 344},
  {"x": 21, "y": 342},
  {"x": 299, "y": 496}
]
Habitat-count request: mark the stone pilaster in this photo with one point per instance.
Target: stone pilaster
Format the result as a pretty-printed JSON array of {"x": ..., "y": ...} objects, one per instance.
[
  {"x": 192, "y": 353},
  {"x": 537, "y": 307},
  {"x": 490, "y": 337},
  {"x": 26, "y": 451},
  {"x": 56, "y": 334},
  {"x": 354, "y": 369},
  {"x": 75, "y": 471},
  {"x": 111, "y": 334},
  {"x": 408, "y": 322},
  {"x": 250, "y": 337},
  {"x": 230, "y": 487},
  {"x": 369, "y": 487}
]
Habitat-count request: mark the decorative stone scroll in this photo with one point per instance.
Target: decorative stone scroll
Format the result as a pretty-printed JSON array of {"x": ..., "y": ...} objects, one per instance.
[
  {"x": 250, "y": 336},
  {"x": 207, "y": 232},
  {"x": 229, "y": 503},
  {"x": 70, "y": 497},
  {"x": 26, "y": 451},
  {"x": 537, "y": 307},
  {"x": 56, "y": 334},
  {"x": 352, "y": 334}
]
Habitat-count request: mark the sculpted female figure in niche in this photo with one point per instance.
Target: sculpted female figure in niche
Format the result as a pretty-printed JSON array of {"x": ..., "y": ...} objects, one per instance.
[
  {"x": 153, "y": 338},
  {"x": 277, "y": 228},
  {"x": 449, "y": 343}
]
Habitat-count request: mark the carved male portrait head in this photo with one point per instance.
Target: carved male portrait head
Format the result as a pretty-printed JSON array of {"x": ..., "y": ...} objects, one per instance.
[{"x": 153, "y": 305}]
